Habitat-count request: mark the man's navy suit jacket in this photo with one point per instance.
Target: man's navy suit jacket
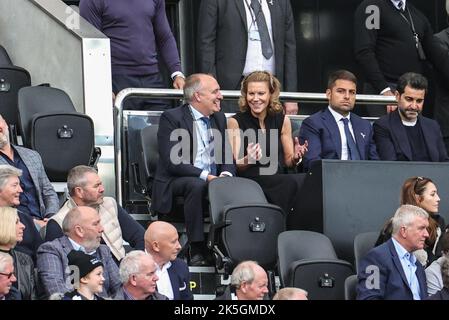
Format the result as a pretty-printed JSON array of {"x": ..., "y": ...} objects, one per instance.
[
  {"x": 383, "y": 262},
  {"x": 393, "y": 144},
  {"x": 181, "y": 118},
  {"x": 321, "y": 132}
]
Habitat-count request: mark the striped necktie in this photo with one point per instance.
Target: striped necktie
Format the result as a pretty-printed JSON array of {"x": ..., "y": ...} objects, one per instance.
[{"x": 210, "y": 148}]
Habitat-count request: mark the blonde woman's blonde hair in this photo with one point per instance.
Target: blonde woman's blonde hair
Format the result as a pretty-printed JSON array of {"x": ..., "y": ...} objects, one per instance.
[
  {"x": 8, "y": 220},
  {"x": 274, "y": 86}
]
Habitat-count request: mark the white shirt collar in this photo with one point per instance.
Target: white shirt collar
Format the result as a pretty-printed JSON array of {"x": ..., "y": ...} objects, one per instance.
[
  {"x": 337, "y": 116},
  {"x": 396, "y": 2},
  {"x": 77, "y": 247},
  {"x": 196, "y": 114},
  {"x": 402, "y": 252}
]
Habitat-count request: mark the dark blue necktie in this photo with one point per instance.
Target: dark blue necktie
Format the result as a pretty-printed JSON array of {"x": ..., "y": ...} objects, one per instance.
[
  {"x": 352, "y": 147},
  {"x": 401, "y": 6},
  {"x": 210, "y": 148}
]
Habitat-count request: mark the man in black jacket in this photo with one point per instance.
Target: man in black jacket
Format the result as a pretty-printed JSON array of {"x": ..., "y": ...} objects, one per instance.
[
  {"x": 406, "y": 135},
  {"x": 440, "y": 56},
  {"x": 391, "y": 37}
]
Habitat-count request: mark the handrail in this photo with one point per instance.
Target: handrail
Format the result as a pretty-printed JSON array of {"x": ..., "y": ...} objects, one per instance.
[{"x": 306, "y": 97}]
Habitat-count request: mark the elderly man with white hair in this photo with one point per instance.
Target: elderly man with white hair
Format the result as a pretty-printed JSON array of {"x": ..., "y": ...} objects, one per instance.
[
  {"x": 138, "y": 276},
  {"x": 249, "y": 281},
  {"x": 7, "y": 278},
  {"x": 391, "y": 270}
]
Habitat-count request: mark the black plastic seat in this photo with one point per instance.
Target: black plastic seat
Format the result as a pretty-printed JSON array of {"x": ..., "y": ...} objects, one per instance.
[
  {"x": 50, "y": 125},
  {"x": 363, "y": 243},
  {"x": 243, "y": 225},
  {"x": 307, "y": 260},
  {"x": 350, "y": 287},
  {"x": 12, "y": 79}
]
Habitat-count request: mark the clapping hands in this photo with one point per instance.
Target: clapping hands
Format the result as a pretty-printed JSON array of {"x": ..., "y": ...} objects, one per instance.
[
  {"x": 254, "y": 152},
  {"x": 299, "y": 150}
]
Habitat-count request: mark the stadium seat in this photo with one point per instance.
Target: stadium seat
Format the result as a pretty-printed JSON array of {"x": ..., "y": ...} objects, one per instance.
[
  {"x": 307, "y": 260},
  {"x": 50, "y": 125},
  {"x": 149, "y": 160},
  {"x": 12, "y": 78},
  {"x": 363, "y": 243},
  {"x": 5, "y": 60},
  {"x": 350, "y": 287},
  {"x": 243, "y": 225}
]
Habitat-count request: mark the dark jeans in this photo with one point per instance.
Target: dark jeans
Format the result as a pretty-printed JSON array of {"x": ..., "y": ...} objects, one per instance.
[{"x": 120, "y": 82}]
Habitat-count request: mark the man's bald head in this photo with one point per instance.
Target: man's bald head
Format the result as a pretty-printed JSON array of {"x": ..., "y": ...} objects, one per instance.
[
  {"x": 159, "y": 230},
  {"x": 161, "y": 241},
  {"x": 83, "y": 225}
]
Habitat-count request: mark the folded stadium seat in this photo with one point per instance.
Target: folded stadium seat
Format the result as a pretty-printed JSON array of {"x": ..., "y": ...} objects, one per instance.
[
  {"x": 350, "y": 287},
  {"x": 243, "y": 225},
  {"x": 363, "y": 242},
  {"x": 307, "y": 260},
  {"x": 50, "y": 125},
  {"x": 149, "y": 160},
  {"x": 4, "y": 57},
  {"x": 12, "y": 78}
]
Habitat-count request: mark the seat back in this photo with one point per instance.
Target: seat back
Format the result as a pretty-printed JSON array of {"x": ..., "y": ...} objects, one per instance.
[
  {"x": 40, "y": 100},
  {"x": 5, "y": 60},
  {"x": 295, "y": 245},
  {"x": 12, "y": 79},
  {"x": 51, "y": 126},
  {"x": 323, "y": 279},
  {"x": 243, "y": 224},
  {"x": 64, "y": 140},
  {"x": 350, "y": 287},
  {"x": 252, "y": 233},
  {"x": 363, "y": 243},
  {"x": 232, "y": 191}
]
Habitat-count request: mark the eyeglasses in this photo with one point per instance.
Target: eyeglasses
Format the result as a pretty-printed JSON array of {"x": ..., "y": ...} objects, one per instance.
[{"x": 9, "y": 275}]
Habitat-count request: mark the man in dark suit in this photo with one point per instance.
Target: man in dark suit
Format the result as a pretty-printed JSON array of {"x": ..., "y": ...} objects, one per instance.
[
  {"x": 391, "y": 270},
  {"x": 336, "y": 132},
  {"x": 83, "y": 231},
  {"x": 391, "y": 37},
  {"x": 406, "y": 135},
  {"x": 192, "y": 151},
  {"x": 162, "y": 243},
  {"x": 230, "y": 41}
]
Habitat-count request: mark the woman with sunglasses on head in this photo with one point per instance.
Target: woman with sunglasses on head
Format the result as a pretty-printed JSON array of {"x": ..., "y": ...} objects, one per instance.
[
  {"x": 423, "y": 193},
  {"x": 11, "y": 233},
  {"x": 261, "y": 140}
]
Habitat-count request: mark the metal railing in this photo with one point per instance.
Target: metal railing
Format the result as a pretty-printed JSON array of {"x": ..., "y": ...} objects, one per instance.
[{"x": 303, "y": 97}]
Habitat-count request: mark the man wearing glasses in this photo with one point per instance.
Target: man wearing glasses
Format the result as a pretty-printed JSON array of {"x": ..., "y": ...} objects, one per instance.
[{"x": 7, "y": 278}]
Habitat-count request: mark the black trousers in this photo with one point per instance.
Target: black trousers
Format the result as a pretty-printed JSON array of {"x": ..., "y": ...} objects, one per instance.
[{"x": 194, "y": 191}]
